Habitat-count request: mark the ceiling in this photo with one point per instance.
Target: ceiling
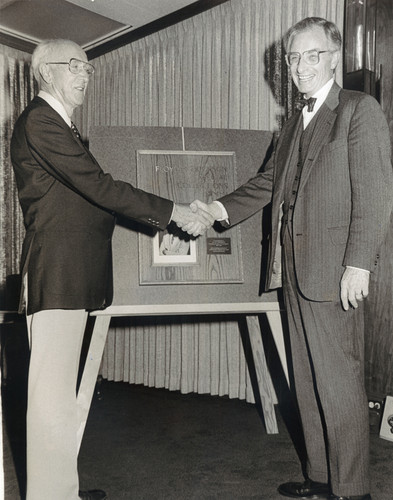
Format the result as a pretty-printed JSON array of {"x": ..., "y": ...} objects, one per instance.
[{"x": 97, "y": 25}]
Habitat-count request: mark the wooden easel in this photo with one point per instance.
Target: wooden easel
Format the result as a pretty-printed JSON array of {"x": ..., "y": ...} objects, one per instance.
[{"x": 249, "y": 310}]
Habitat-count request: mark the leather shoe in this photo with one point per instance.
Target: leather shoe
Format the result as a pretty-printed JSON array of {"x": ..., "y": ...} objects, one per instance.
[
  {"x": 92, "y": 495},
  {"x": 310, "y": 490},
  {"x": 361, "y": 497}
]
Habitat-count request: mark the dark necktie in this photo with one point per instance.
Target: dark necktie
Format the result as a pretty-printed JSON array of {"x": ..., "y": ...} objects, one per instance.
[
  {"x": 301, "y": 102},
  {"x": 75, "y": 130}
]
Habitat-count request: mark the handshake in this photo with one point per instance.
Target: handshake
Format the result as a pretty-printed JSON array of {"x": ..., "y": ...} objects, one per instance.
[{"x": 196, "y": 218}]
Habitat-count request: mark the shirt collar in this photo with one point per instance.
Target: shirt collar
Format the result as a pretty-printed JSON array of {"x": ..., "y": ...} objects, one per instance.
[
  {"x": 320, "y": 96},
  {"x": 56, "y": 105}
]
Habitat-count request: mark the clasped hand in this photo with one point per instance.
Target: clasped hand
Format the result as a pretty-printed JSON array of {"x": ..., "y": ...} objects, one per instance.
[{"x": 196, "y": 218}]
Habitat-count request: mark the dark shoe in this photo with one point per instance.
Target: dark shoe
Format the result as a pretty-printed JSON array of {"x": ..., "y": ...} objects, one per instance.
[
  {"x": 361, "y": 497},
  {"x": 92, "y": 495},
  {"x": 310, "y": 490}
]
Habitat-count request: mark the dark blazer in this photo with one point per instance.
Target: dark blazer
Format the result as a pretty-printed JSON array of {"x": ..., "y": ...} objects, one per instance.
[
  {"x": 69, "y": 206},
  {"x": 345, "y": 197}
]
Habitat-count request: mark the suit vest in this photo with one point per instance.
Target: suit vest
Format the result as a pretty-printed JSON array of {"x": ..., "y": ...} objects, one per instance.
[{"x": 294, "y": 172}]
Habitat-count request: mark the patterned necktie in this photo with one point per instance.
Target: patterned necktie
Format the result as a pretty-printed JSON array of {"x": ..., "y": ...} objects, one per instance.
[
  {"x": 301, "y": 102},
  {"x": 75, "y": 130}
]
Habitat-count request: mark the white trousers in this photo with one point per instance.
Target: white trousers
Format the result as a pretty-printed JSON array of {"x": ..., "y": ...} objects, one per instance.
[{"x": 55, "y": 346}]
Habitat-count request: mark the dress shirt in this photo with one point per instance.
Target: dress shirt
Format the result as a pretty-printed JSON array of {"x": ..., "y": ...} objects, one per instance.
[
  {"x": 320, "y": 97},
  {"x": 56, "y": 105}
]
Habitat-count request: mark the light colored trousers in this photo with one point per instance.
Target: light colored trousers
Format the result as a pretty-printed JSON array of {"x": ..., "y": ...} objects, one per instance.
[{"x": 52, "y": 415}]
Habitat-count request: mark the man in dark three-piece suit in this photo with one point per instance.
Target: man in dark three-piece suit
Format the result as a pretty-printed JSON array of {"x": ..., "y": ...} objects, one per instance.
[
  {"x": 69, "y": 206},
  {"x": 331, "y": 187}
]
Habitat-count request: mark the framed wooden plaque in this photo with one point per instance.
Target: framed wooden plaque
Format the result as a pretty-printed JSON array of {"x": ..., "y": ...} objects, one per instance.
[{"x": 172, "y": 256}]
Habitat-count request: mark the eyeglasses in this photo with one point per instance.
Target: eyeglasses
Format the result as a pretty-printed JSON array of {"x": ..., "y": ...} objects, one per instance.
[
  {"x": 76, "y": 66},
  {"x": 309, "y": 56}
]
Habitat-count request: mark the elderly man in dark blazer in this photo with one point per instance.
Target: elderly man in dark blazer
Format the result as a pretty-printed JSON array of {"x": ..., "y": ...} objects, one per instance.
[
  {"x": 69, "y": 206},
  {"x": 331, "y": 187}
]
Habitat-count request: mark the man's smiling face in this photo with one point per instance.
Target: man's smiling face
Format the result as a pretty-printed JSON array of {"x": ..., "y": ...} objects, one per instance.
[
  {"x": 67, "y": 87},
  {"x": 310, "y": 78}
]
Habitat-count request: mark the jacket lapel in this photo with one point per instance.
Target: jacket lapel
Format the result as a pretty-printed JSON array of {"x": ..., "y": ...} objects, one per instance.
[
  {"x": 38, "y": 101},
  {"x": 325, "y": 120}
]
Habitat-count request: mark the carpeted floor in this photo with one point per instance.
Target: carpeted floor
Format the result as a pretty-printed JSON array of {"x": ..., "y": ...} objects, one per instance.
[
  {"x": 167, "y": 445},
  {"x": 144, "y": 443}
]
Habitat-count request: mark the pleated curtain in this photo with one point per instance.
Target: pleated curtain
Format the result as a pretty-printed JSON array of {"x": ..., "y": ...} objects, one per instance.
[
  {"x": 223, "y": 68},
  {"x": 17, "y": 88}
]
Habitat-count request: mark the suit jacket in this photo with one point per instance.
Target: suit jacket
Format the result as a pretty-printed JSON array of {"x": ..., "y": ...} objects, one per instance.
[
  {"x": 345, "y": 196},
  {"x": 69, "y": 206}
]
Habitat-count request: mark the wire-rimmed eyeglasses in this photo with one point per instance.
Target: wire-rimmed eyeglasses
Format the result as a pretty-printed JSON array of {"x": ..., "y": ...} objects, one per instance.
[
  {"x": 77, "y": 66},
  {"x": 309, "y": 56}
]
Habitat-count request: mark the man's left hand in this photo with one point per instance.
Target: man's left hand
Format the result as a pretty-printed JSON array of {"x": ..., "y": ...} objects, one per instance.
[{"x": 354, "y": 287}]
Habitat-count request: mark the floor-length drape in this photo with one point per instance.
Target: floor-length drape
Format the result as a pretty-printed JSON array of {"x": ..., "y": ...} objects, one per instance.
[
  {"x": 16, "y": 91},
  {"x": 221, "y": 69}
]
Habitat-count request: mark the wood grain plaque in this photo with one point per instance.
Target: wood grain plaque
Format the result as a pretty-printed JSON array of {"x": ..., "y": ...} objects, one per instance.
[{"x": 172, "y": 257}]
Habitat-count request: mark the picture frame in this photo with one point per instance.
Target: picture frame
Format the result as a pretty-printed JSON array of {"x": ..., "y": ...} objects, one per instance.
[{"x": 170, "y": 248}]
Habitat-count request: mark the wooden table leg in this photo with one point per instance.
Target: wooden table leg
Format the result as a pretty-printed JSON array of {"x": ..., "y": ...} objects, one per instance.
[
  {"x": 90, "y": 372},
  {"x": 265, "y": 384}
]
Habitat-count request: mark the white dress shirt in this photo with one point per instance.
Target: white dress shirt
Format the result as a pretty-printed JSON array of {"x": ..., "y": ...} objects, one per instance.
[
  {"x": 56, "y": 105},
  {"x": 320, "y": 97}
]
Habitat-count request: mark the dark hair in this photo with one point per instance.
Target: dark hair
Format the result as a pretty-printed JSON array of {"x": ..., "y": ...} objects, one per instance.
[{"x": 332, "y": 32}]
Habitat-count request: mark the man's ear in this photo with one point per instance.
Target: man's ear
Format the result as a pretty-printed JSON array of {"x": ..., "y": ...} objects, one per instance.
[
  {"x": 335, "y": 59},
  {"x": 45, "y": 73}
]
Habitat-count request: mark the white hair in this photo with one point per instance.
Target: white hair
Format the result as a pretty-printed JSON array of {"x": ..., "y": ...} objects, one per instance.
[{"x": 43, "y": 53}]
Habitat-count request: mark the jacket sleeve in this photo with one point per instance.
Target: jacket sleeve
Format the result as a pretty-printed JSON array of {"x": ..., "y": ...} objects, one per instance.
[
  {"x": 60, "y": 154},
  {"x": 371, "y": 178},
  {"x": 251, "y": 197}
]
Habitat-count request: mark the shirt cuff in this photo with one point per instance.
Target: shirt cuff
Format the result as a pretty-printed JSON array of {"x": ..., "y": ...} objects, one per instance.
[
  {"x": 224, "y": 213},
  {"x": 359, "y": 268}
]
